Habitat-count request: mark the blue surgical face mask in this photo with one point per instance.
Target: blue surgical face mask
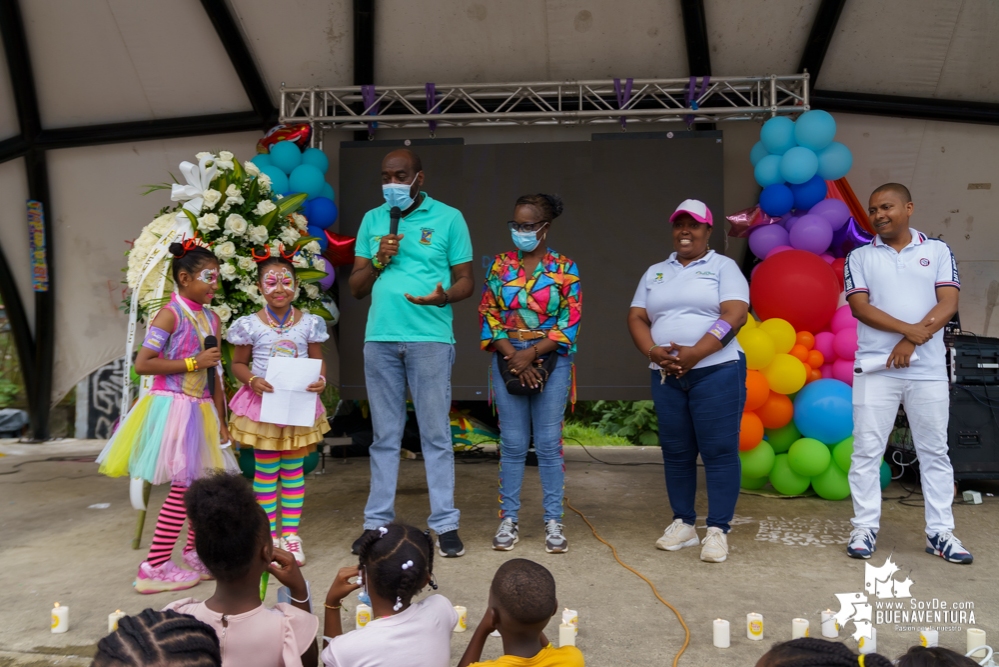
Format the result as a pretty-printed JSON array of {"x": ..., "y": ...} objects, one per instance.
[
  {"x": 397, "y": 194},
  {"x": 525, "y": 241}
]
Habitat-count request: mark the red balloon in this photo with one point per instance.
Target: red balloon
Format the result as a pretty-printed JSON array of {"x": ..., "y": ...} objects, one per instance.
[
  {"x": 298, "y": 134},
  {"x": 796, "y": 286},
  {"x": 837, "y": 265}
]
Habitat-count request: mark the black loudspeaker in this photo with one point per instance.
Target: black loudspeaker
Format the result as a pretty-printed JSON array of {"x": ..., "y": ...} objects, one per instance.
[{"x": 973, "y": 432}]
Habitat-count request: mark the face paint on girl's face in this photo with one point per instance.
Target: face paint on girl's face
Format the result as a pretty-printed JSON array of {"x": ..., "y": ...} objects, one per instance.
[
  {"x": 275, "y": 279},
  {"x": 208, "y": 276}
]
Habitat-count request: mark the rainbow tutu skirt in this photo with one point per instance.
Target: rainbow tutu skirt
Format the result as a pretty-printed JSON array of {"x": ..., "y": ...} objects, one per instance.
[{"x": 167, "y": 438}]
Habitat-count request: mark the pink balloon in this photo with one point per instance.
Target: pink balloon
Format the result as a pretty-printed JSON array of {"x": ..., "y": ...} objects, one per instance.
[
  {"x": 842, "y": 319},
  {"x": 780, "y": 248},
  {"x": 829, "y": 258},
  {"x": 845, "y": 343},
  {"x": 843, "y": 371},
  {"x": 826, "y": 370},
  {"x": 824, "y": 344}
]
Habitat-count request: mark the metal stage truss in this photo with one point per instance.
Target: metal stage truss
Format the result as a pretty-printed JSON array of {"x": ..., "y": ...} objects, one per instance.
[{"x": 688, "y": 100}]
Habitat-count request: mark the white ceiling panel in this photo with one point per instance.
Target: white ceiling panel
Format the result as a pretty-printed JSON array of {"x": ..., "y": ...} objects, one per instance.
[
  {"x": 891, "y": 47},
  {"x": 756, "y": 36},
  {"x": 300, "y": 42},
  {"x": 8, "y": 112},
  {"x": 971, "y": 71},
  {"x": 127, "y": 60},
  {"x": 14, "y": 230}
]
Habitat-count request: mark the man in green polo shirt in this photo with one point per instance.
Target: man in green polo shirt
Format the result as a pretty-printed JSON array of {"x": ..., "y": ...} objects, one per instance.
[{"x": 413, "y": 277}]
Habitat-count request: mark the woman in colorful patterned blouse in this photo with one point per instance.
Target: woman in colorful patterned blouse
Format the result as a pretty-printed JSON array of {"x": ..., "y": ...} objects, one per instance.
[{"x": 531, "y": 305}]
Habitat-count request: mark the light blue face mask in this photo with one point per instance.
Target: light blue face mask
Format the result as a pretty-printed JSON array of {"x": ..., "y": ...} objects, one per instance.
[
  {"x": 525, "y": 241},
  {"x": 397, "y": 194}
]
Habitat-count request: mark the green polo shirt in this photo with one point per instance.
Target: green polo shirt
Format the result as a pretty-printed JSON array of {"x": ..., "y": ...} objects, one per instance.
[{"x": 435, "y": 239}]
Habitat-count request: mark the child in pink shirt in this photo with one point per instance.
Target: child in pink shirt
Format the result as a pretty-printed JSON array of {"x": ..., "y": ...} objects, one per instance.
[{"x": 232, "y": 536}]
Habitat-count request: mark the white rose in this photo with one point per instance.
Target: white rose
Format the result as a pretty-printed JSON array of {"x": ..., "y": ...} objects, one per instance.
[
  {"x": 311, "y": 290},
  {"x": 265, "y": 182},
  {"x": 236, "y": 224},
  {"x": 209, "y": 222},
  {"x": 257, "y": 234},
  {"x": 233, "y": 191},
  {"x": 227, "y": 270},
  {"x": 313, "y": 247},
  {"x": 300, "y": 221},
  {"x": 226, "y": 155},
  {"x": 224, "y": 165},
  {"x": 223, "y": 311},
  {"x": 250, "y": 289},
  {"x": 225, "y": 251},
  {"x": 203, "y": 154},
  {"x": 300, "y": 262},
  {"x": 251, "y": 168},
  {"x": 275, "y": 250},
  {"x": 289, "y": 235},
  {"x": 247, "y": 263},
  {"x": 264, "y": 206},
  {"x": 224, "y": 208},
  {"x": 211, "y": 197}
]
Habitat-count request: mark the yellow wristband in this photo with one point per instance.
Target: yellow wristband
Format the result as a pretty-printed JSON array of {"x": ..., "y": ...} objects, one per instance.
[{"x": 189, "y": 362}]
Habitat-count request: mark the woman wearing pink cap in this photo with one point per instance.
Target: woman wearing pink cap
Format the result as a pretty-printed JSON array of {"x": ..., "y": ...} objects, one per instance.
[{"x": 684, "y": 318}]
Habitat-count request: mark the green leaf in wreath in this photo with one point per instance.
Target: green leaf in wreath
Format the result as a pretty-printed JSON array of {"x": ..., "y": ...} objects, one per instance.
[
  {"x": 253, "y": 193},
  {"x": 303, "y": 241},
  {"x": 309, "y": 275},
  {"x": 191, "y": 217},
  {"x": 291, "y": 203},
  {"x": 321, "y": 312},
  {"x": 268, "y": 219},
  {"x": 237, "y": 172}
]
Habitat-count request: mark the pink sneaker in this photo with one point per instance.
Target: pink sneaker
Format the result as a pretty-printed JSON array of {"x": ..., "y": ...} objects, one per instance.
[
  {"x": 193, "y": 561},
  {"x": 293, "y": 544},
  {"x": 166, "y": 577}
]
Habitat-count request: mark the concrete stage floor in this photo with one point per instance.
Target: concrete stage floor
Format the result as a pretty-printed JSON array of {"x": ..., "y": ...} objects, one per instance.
[{"x": 56, "y": 546}]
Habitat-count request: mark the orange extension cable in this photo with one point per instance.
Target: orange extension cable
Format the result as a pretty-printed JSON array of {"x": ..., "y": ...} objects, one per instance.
[{"x": 679, "y": 617}]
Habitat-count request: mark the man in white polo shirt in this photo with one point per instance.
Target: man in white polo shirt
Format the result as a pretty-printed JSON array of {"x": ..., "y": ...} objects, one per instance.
[{"x": 903, "y": 288}]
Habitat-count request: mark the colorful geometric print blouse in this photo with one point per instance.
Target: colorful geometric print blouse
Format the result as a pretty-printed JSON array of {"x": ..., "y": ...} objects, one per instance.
[
  {"x": 550, "y": 299},
  {"x": 187, "y": 340}
]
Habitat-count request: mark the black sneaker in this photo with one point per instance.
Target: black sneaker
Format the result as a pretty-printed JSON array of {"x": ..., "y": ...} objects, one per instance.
[
  {"x": 355, "y": 548},
  {"x": 449, "y": 544}
]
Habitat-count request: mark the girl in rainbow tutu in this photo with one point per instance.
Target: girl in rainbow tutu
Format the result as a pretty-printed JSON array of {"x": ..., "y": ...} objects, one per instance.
[{"x": 173, "y": 434}]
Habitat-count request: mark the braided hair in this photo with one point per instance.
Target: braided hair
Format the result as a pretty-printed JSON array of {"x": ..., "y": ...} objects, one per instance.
[
  {"x": 189, "y": 259},
  {"x": 549, "y": 205},
  {"x": 230, "y": 525},
  {"x": 397, "y": 559},
  {"x": 154, "y": 638},
  {"x": 937, "y": 656},
  {"x": 814, "y": 652}
]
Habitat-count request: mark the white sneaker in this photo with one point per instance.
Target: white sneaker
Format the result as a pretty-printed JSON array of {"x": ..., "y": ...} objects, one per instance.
[
  {"x": 293, "y": 544},
  {"x": 715, "y": 549},
  {"x": 677, "y": 536}
]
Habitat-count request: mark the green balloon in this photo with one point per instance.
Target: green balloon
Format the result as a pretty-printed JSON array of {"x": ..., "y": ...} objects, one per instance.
[
  {"x": 808, "y": 457},
  {"x": 785, "y": 480},
  {"x": 753, "y": 483},
  {"x": 885, "y": 474},
  {"x": 310, "y": 462},
  {"x": 758, "y": 461},
  {"x": 842, "y": 453},
  {"x": 782, "y": 438},
  {"x": 247, "y": 464},
  {"x": 832, "y": 483}
]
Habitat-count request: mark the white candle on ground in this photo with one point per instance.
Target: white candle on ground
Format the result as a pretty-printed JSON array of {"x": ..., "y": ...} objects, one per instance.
[
  {"x": 722, "y": 634},
  {"x": 363, "y": 615},
  {"x": 113, "y": 619},
  {"x": 869, "y": 644},
  {"x": 571, "y": 617},
  {"x": 929, "y": 638},
  {"x": 60, "y": 619},
  {"x": 754, "y": 626},
  {"x": 976, "y": 638},
  {"x": 830, "y": 628},
  {"x": 799, "y": 628},
  {"x": 462, "y": 623},
  {"x": 566, "y": 635}
]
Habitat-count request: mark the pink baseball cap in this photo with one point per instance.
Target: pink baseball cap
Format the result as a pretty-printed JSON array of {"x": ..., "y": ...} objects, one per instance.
[{"x": 698, "y": 210}]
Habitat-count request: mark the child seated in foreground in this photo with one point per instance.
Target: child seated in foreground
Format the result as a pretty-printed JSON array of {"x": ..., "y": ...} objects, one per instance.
[
  {"x": 936, "y": 656},
  {"x": 521, "y": 602},
  {"x": 396, "y": 563},
  {"x": 156, "y": 638},
  {"x": 814, "y": 652},
  {"x": 233, "y": 539}
]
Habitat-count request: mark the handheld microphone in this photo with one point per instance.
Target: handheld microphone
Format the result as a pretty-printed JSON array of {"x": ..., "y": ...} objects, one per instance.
[
  {"x": 210, "y": 342},
  {"x": 394, "y": 215}
]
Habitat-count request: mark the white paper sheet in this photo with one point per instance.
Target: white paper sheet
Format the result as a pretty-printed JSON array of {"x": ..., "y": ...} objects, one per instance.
[
  {"x": 878, "y": 363},
  {"x": 290, "y": 404}
]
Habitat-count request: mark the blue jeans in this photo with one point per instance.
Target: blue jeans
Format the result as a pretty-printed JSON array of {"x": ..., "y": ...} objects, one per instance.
[
  {"x": 426, "y": 368},
  {"x": 517, "y": 414},
  {"x": 701, "y": 413}
]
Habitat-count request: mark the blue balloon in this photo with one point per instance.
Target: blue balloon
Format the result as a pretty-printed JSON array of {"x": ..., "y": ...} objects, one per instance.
[
  {"x": 767, "y": 171},
  {"x": 319, "y": 234},
  {"x": 316, "y": 158},
  {"x": 824, "y": 410},
  {"x": 776, "y": 199},
  {"x": 279, "y": 182},
  {"x": 777, "y": 135},
  {"x": 328, "y": 192},
  {"x": 321, "y": 212},
  {"x": 286, "y": 156},
  {"x": 308, "y": 179},
  {"x": 798, "y": 164},
  {"x": 815, "y": 129},
  {"x": 261, "y": 160},
  {"x": 809, "y": 193},
  {"x": 758, "y": 152},
  {"x": 835, "y": 161}
]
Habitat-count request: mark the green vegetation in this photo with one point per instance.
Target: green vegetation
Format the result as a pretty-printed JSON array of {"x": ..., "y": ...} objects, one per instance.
[{"x": 632, "y": 421}]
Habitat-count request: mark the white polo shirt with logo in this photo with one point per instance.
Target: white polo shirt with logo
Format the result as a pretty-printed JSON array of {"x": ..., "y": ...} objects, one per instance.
[
  {"x": 904, "y": 285},
  {"x": 684, "y": 301}
]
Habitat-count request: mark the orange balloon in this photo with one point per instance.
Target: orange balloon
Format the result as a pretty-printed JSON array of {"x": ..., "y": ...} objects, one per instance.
[
  {"x": 751, "y": 431},
  {"x": 757, "y": 390},
  {"x": 815, "y": 359},
  {"x": 777, "y": 411},
  {"x": 813, "y": 375},
  {"x": 799, "y": 352},
  {"x": 806, "y": 339}
]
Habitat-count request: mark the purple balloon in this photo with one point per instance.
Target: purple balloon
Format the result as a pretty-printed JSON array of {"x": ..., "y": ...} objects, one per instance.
[
  {"x": 811, "y": 233},
  {"x": 327, "y": 282},
  {"x": 792, "y": 220},
  {"x": 765, "y": 238},
  {"x": 848, "y": 237},
  {"x": 833, "y": 210}
]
